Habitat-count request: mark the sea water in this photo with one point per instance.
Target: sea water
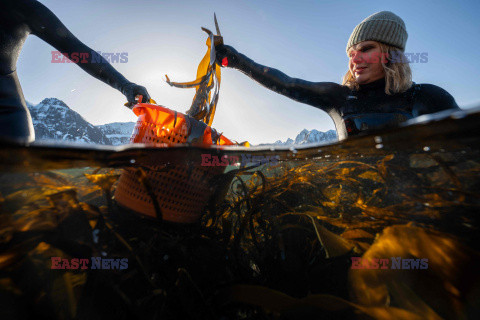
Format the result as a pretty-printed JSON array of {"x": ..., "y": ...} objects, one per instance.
[{"x": 384, "y": 225}]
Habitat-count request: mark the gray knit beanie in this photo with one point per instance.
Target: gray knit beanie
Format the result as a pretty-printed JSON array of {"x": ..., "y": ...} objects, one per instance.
[{"x": 383, "y": 26}]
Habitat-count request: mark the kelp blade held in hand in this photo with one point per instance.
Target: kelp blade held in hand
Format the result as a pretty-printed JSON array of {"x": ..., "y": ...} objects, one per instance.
[{"x": 208, "y": 78}]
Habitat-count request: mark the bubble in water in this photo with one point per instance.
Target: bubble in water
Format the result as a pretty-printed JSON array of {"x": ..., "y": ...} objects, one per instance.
[
  {"x": 378, "y": 139},
  {"x": 458, "y": 115},
  {"x": 379, "y": 146},
  {"x": 95, "y": 235},
  {"x": 426, "y": 149}
]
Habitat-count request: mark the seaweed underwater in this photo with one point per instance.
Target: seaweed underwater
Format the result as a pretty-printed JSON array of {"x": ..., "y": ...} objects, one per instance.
[{"x": 275, "y": 241}]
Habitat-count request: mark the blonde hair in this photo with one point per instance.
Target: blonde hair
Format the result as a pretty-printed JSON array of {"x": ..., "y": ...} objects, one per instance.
[{"x": 398, "y": 75}]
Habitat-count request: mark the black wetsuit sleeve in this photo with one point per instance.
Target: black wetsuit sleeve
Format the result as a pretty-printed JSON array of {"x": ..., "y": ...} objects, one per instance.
[
  {"x": 44, "y": 24},
  {"x": 323, "y": 95},
  {"x": 433, "y": 99}
]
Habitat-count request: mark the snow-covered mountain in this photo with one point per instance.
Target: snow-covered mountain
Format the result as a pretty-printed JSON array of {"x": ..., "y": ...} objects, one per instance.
[
  {"x": 312, "y": 136},
  {"x": 118, "y": 132},
  {"x": 54, "y": 120}
]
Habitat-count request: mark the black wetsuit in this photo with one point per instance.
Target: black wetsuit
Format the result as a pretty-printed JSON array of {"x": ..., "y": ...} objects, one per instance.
[
  {"x": 18, "y": 19},
  {"x": 352, "y": 111}
]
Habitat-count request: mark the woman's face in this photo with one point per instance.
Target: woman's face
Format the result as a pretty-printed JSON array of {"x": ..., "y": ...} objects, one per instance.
[{"x": 365, "y": 62}]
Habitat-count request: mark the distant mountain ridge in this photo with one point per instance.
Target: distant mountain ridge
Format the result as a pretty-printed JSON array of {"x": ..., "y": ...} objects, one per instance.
[
  {"x": 312, "y": 136},
  {"x": 54, "y": 120},
  {"x": 118, "y": 132}
]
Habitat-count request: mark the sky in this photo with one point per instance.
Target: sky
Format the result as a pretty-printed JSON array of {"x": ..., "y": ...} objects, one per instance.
[{"x": 304, "y": 39}]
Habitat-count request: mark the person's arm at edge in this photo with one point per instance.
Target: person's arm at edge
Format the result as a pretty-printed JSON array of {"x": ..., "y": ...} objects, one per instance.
[
  {"x": 323, "y": 95},
  {"x": 44, "y": 24}
]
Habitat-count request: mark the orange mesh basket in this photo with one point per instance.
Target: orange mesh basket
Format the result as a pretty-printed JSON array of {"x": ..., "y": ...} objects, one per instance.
[{"x": 180, "y": 190}]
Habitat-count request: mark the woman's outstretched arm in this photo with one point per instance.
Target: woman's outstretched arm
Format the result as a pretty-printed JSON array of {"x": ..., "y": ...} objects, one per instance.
[{"x": 323, "y": 95}]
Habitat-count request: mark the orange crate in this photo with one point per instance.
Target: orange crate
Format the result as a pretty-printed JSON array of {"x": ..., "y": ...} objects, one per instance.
[{"x": 183, "y": 191}]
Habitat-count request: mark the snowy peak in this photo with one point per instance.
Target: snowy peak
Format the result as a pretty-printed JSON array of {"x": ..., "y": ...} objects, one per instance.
[
  {"x": 53, "y": 102},
  {"x": 118, "y": 132},
  {"x": 54, "y": 120},
  {"x": 118, "y": 128},
  {"x": 317, "y": 136},
  {"x": 49, "y": 106},
  {"x": 302, "y": 136},
  {"x": 313, "y": 136}
]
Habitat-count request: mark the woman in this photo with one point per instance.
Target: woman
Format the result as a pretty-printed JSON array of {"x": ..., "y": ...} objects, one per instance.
[
  {"x": 377, "y": 90},
  {"x": 18, "y": 19}
]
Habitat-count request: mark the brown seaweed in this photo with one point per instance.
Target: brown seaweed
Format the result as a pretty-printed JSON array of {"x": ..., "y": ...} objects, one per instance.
[{"x": 275, "y": 241}]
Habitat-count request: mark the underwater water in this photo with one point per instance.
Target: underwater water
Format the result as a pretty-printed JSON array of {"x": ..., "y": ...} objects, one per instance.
[{"x": 382, "y": 226}]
